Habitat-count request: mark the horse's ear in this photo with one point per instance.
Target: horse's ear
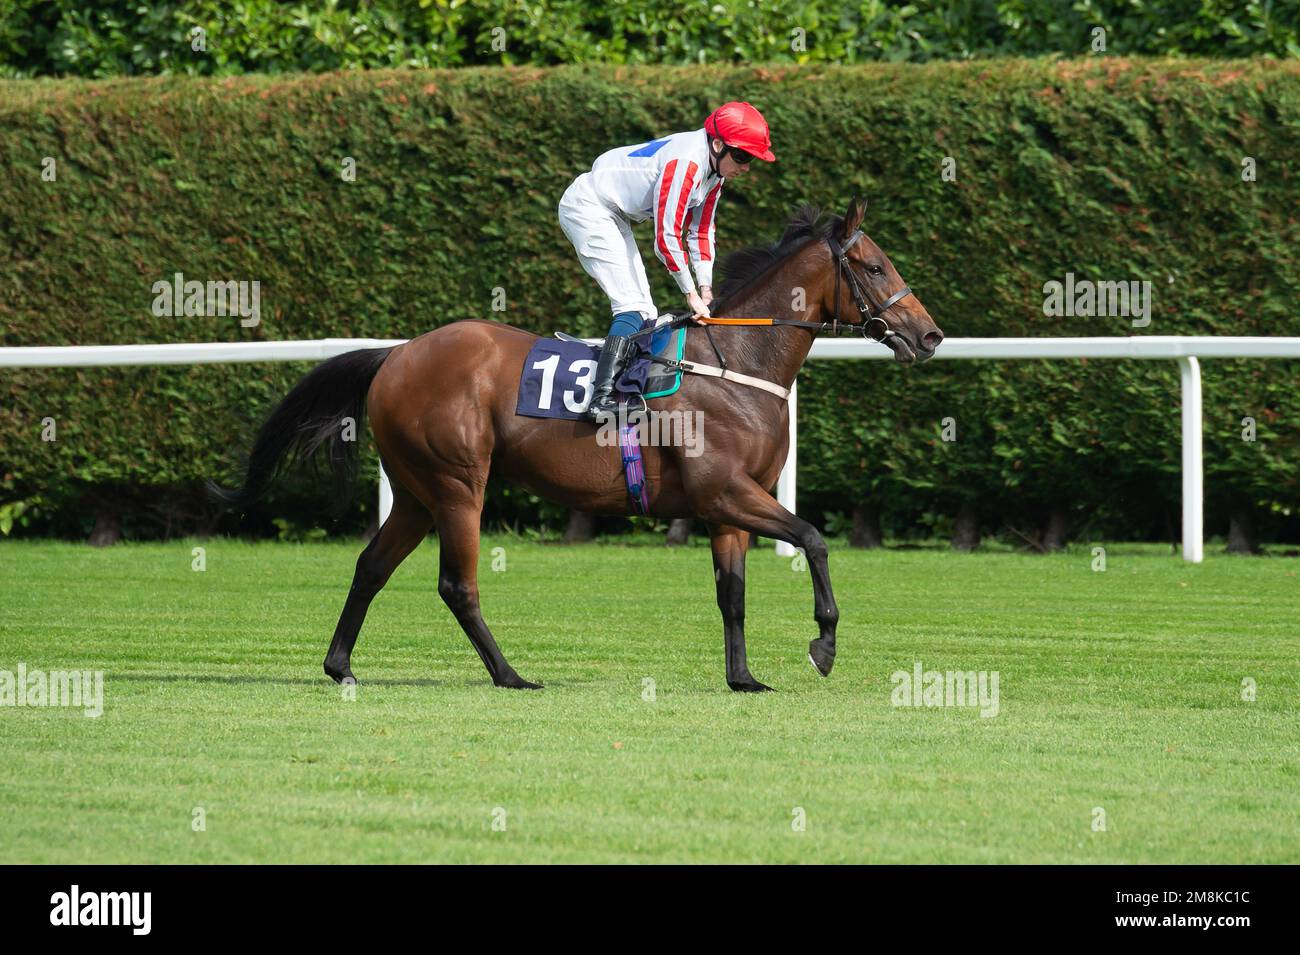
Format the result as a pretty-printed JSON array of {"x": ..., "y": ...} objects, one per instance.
[{"x": 853, "y": 217}]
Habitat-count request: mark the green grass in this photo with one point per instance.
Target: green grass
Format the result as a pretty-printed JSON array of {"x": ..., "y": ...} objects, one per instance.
[{"x": 1119, "y": 690}]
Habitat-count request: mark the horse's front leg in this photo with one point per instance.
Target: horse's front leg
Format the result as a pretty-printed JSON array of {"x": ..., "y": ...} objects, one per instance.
[
  {"x": 729, "y": 547},
  {"x": 747, "y": 505}
]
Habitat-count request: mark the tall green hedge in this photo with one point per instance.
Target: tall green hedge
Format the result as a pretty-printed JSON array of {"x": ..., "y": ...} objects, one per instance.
[
  {"x": 217, "y": 37},
  {"x": 1108, "y": 168}
]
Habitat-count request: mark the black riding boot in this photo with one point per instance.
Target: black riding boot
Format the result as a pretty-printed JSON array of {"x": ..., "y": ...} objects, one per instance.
[{"x": 612, "y": 356}]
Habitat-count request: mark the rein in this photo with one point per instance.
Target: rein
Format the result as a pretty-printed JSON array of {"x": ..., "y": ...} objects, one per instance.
[{"x": 873, "y": 324}]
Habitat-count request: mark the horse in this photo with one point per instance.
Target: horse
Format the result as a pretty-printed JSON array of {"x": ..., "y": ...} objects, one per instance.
[{"x": 442, "y": 410}]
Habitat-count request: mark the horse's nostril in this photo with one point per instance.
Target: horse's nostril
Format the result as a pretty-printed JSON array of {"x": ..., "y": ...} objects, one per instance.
[{"x": 932, "y": 339}]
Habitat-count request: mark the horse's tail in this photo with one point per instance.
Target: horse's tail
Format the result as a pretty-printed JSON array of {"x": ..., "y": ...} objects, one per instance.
[{"x": 311, "y": 416}]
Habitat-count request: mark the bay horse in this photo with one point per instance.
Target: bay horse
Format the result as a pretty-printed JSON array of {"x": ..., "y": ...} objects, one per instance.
[{"x": 442, "y": 407}]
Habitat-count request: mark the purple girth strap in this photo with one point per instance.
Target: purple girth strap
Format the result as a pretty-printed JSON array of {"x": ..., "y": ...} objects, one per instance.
[{"x": 633, "y": 467}]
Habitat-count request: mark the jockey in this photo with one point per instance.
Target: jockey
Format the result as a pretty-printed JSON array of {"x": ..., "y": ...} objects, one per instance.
[{"x": 676, "y": 179}]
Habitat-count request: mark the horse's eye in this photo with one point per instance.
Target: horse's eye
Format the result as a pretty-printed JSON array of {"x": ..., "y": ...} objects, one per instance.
[{"x": 875, "y": 270}]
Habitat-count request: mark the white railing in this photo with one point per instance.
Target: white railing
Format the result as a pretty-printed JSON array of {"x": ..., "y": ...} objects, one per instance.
[
  {"x": 1185, "y": 350},
  {"x": 198, "y": 353}
]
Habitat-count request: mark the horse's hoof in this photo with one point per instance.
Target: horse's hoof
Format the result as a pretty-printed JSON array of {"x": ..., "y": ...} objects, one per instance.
[
  {"x": 821, "y": 659},
  {"x": 341, "y": 675},
  {"x": 519, "y": 683},
  {"x": 751, "y": 686}
]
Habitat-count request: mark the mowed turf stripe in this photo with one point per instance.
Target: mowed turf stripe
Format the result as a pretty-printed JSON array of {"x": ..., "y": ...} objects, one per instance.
[{"x": 1118, "y": 690}]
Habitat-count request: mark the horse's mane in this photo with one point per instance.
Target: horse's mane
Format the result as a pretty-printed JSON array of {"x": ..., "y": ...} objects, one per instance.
[{"x": 745, "y": 266}]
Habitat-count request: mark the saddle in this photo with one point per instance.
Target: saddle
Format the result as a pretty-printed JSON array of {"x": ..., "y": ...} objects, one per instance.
[
  {"x": 556, "y": 378},
  {"x": 556, "y": 383},
  {"x": 649, "y": 373}
]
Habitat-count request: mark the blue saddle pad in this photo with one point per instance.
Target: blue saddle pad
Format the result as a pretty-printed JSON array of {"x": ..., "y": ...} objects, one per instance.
[{"x": 557, "y": 376}]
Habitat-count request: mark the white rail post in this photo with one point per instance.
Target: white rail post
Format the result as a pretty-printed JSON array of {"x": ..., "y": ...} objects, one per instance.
[
  {"x": 385, "y": 496},
  {"x": 1193, "y": 461},
  {"x": 785, "y": 491}
]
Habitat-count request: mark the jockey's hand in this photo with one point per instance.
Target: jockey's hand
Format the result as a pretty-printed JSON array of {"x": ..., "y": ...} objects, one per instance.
[
  {"x": 706, "y": 293},
  {"x": 697, "y": 306}
]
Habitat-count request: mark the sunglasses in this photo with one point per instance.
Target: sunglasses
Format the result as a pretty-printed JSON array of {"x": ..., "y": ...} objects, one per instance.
[{"x": 739, "y": 156}]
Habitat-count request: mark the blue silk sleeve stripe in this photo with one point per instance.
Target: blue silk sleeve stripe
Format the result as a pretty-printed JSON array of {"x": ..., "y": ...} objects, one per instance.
[{"x": 650, "y": 148}]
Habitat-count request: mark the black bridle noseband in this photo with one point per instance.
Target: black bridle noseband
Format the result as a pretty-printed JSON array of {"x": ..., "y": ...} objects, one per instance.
[{"x": 873, "y": 321}]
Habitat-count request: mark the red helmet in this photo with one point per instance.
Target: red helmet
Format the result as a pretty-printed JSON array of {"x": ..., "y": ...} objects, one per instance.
[{"x": 742, "y": 126}]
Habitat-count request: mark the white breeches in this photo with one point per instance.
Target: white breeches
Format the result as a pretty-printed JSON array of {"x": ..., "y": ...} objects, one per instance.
[{"x": 606, "y": 248}]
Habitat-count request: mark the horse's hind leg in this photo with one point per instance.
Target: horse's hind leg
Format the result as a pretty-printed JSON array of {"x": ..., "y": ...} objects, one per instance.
[
  {"x": 459, "y": 509},
  {"x": 729, "y": 547},
  {"x": 407, "y": 524}
]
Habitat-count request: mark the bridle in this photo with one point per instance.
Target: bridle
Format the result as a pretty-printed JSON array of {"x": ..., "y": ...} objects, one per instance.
[
  {"x": 873, "y": 321},
  {"x": 873, "y": 324}
]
